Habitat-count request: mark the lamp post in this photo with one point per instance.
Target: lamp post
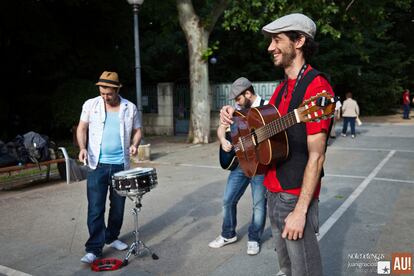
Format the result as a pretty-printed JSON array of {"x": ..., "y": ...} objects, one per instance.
[{"x": 135, "y": 8}]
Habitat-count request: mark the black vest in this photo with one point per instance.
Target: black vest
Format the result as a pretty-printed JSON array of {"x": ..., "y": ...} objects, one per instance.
[{"x": 290, "y": 171}]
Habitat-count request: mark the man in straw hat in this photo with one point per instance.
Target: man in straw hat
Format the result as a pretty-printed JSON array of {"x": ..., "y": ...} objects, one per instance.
[
  {"x": 243, "y": 94},
  {"x": 109, "y": 131},
  {"x": 294, "y": 184}
]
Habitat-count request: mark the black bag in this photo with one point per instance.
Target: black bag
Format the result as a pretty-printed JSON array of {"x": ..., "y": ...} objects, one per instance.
[
  {"x": 18, "y": 150},
  {"x": 37, "y": 146},
  {"x": 6, "y": 159}
]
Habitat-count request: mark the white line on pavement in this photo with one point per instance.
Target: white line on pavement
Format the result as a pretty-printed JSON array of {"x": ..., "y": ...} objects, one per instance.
[
  {"x": 11, "y": 272},
  {"x": 393, "y": 180},
  {"x": 345, "y": 176},
  {"x": 200, "y": 166},
  {"x": 375, "y": 178},
  {"x": 369, "y": 149},
  {"x": 347, "y": 203}
]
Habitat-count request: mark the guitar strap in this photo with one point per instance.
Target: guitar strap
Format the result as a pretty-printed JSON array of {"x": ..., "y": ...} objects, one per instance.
[
  {"x": 290, "y": 172},
  {"x": 300, "y": 89},
  {"x": 262, "y": 101}
]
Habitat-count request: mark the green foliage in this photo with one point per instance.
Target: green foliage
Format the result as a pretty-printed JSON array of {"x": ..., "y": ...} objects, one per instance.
[
  {"x": 360, "y": 47},
  {"x": 210, "y": 50},
  {"x": 53, "y": 50},
  {"x": 66, "y": 103}
]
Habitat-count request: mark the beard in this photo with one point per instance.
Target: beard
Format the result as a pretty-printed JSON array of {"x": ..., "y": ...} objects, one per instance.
[
  {"x": 248, "y": 104},
  {"x": 287, "y": 58}
]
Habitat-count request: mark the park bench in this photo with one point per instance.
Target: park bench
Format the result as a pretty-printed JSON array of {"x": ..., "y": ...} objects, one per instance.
[{"x": 11, "y": 169}]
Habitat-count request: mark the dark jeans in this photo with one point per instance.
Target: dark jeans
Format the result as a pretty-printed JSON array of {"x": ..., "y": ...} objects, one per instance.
[
  {"x": 237, "y": 184},
  {"x": 351, "y": 121},
  {"x": 296, "y": 257},
  {"x": 406, "y": 111},
  {"x": 99, "y": 180}
]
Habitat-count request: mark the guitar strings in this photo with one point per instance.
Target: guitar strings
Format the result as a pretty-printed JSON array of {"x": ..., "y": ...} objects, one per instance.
[{"x": 272, "y": 128}]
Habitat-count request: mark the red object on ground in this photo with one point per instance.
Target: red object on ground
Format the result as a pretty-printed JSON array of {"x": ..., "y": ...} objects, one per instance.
[{"x": 107, "y": 264}]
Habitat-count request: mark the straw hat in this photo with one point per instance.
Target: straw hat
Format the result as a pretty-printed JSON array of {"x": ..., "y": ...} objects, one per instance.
[{"x": 109, "y": 79}]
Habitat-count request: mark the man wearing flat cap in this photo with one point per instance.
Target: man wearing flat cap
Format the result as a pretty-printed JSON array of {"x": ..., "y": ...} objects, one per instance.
[
  {"x": 243, "y": 94},
  {"x": 109, "y": 131},
  {"x": 293, "y": 185}
]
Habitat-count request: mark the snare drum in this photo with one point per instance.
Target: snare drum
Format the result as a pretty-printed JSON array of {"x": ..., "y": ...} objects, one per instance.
[{"x": 133, "y": 182}]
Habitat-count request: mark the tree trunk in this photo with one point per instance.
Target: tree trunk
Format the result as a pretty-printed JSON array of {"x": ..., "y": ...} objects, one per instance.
[
  {"x": 197, "y": 41},
  {"x": 197, "y": 34},
  {"x": 199, "y": 86}
]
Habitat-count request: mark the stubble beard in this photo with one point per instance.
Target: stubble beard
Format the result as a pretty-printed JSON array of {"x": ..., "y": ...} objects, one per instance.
[
  {"x": 287, "y": 58},
  {"x": 248, "y": 104}
]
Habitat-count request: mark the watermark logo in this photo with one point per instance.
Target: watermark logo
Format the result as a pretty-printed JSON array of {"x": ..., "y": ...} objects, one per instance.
[
  {"x": 402, "y": 263},
  {"x": 366, "y": 262},
  {"x": 384, "y": 267}
]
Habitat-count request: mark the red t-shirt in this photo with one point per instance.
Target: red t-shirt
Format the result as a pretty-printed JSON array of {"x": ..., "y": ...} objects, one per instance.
[
  {"x": 316, "y": 86},
  {"x": 406, "y": 97}
]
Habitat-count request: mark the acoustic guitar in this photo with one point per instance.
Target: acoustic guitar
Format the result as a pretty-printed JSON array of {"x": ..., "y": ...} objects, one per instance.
[{"x": 259, "y": 137}]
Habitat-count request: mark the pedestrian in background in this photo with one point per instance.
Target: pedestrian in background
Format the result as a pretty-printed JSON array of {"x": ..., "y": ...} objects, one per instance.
[
  {"x": 350, "y": 112},
  {"x": 406, "y": 104}
]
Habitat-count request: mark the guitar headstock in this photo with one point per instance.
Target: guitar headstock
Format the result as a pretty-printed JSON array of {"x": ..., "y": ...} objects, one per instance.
[{"x": 316, "y": 108}]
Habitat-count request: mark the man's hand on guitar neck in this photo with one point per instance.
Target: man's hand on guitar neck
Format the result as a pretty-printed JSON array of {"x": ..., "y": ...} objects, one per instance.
[{"x": 226, "y": 114}]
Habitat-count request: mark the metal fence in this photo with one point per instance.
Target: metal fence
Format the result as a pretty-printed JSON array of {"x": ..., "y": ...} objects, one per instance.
[
  {"x": 221, "y": 92},
  {"x": 181, "y": 99},
  {"x": 149, "y": 99}
]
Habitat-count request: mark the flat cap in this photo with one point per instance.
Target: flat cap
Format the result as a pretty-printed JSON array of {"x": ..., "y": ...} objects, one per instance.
[
  {"x": 239, "y": 86},
  {"x": 291, "y": 22}
]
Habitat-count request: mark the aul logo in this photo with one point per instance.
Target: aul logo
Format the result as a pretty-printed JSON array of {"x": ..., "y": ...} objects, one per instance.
[{"x": 402, "y": 263}]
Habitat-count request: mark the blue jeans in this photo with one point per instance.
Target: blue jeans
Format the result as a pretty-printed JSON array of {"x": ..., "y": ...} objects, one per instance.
[
  {"x": 237, "y": 183},
  {"x": 406, "y": 111},
  {"x": 99, "y": 180},
  {"x": 351, "y": 121},
  {"x": 296, "y": 257}
]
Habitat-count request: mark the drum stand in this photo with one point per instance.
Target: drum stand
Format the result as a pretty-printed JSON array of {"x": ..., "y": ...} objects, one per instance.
[{"x": 138, "y": 247}]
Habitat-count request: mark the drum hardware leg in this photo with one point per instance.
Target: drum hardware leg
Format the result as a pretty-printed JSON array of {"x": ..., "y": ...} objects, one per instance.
[{"x": 138, "y": 247}]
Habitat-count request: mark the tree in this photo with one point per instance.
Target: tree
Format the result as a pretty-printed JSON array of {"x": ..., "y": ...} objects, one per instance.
[
  {"x": 197, "y": 30},
  {"x": 360, "y": 49}
]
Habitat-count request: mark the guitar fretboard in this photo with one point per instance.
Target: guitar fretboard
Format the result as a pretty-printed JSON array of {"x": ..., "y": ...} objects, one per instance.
[{"x": 274, "y": 127}]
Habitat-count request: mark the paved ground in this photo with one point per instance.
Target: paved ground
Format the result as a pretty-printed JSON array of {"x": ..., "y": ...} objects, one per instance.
[{"x": 366, "y": 208}]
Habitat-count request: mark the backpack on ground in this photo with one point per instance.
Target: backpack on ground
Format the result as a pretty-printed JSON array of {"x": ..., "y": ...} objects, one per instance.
[{"x": 37, "y": 146}]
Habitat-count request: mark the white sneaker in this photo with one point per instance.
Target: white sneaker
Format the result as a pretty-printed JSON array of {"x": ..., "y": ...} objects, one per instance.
[
  {"x": 118, "y": 245},
  {"x": 220, "y": 242},
  {"x": 253, "y": 247},
  {"x": 353, "y": 136},
  {"x": 343, "y": 134},
  {"x": 88, "y": 258}
]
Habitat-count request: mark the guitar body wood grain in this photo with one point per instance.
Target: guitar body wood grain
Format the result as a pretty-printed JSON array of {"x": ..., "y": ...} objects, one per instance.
[{"x": 254, "y": 157}]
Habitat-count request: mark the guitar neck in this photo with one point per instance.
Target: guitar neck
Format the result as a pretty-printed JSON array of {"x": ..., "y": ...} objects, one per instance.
[{"x": 274, "y": 127}]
